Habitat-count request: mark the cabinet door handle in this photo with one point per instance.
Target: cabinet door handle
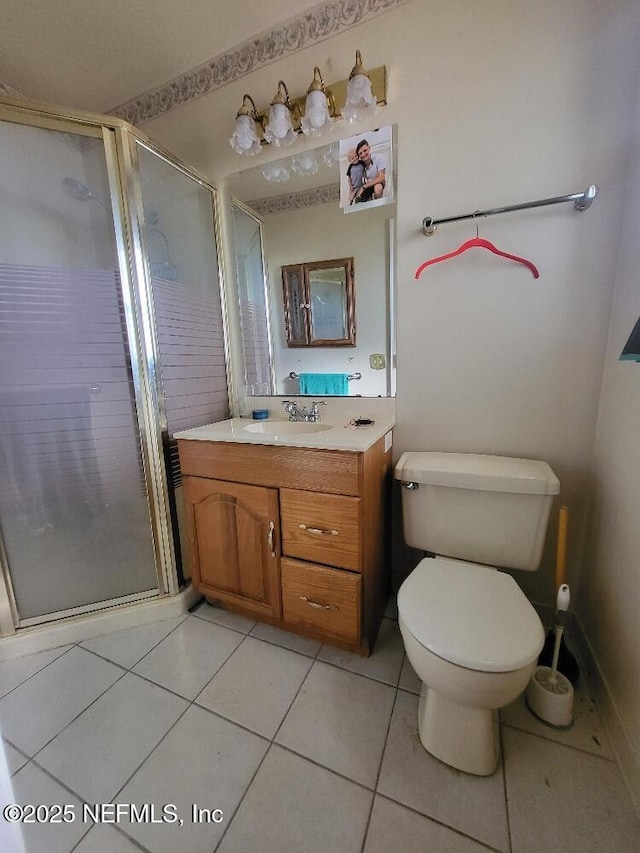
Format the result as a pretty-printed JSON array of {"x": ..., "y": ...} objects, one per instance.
[
  {"x": 321, "y": 531},
  {"x": 272, "y": 528},
  {"x": 318, "y": 606}
]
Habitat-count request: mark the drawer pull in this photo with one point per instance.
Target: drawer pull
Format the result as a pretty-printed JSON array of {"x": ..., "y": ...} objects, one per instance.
[
  {"x": 318, "y": 606},
  {"x": 321, "y": 531}
]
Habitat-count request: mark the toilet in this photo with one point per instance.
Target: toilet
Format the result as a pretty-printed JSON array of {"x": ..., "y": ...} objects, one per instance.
[{"x": 469, "y": 632}]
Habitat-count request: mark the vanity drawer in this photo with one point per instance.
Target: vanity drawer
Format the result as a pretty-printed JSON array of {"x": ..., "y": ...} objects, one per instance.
[
  {"x": 321, "y": 528},
  {"x": 321, "y": 600}
]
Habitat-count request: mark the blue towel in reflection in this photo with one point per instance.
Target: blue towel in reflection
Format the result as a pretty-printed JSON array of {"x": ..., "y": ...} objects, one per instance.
[{"x": 316, "y": 384}]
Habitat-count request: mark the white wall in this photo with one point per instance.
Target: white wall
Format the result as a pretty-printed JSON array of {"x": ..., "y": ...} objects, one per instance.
[
  {"x": 610, "y": 594},
  {"x": 498, "y": 103}
]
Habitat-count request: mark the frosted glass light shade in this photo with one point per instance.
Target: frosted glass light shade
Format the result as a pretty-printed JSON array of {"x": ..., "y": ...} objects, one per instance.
[
  {"x": 245, "y": 138},
  {"x": 279, "y": 131},
  {"x": 360, "y": 101},
  {"x": 305, "y": 163},
  {"x": 317, "y": 120},
  {"x": 276, "y": 173},
  {"x": 331, "y": 155}
]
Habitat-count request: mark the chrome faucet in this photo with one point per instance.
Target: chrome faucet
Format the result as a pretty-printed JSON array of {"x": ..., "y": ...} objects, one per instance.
[
  {"x": 302, "y": 413},
  {"x": 314, "y": 413},
  {"x": 291, "y": 408}
]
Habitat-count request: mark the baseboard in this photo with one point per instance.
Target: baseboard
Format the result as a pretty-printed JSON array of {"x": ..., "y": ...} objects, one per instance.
[
  {"x": 75, "y": 629},
  {"x": 625, "y": 752}
]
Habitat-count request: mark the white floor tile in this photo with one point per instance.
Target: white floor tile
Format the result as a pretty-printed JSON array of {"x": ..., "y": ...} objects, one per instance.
[
  {"x": 127, "y": 647},
  {"x": 204, "y": 760},
  {"x": 256, "y": 686},
  {"x": 100, "y": 750},
  {"x": 32, "y": 785},
  {"x": 224, "y": 617},
  {"x": 474, "y": 805},
  {"x": 286, "y": 639},
  {"x": 105, "y": 839},
  {"x": 188, "y": 658},
  {"x": 13, "y": 672},
  {"x": 587, "y": 732},
  {"x": 41, "y": 707},
  {"x": 564, "y": 799},
  {"x": 340, "y": 720},
  {"x": 393, "y": 827},
  {"x": 408, "y": 678},
  {"x": 385, "y": 661},
  {"x": 15, "y": 759},
  {"x": 294, "y": 805}
]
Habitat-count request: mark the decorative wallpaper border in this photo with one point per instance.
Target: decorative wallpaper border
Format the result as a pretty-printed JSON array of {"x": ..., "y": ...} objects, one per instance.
[
  {"x": 295, "y": 201},
  {"x": 320, "y": 23}
]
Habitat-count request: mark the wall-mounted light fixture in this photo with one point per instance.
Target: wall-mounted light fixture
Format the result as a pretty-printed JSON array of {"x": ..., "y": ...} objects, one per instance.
[
  {"x": 361, "y": 101},
  {"x": 245, "y": 139},
  {"x": 313, "y": 114},
  {"x": 279, "y": 130}
]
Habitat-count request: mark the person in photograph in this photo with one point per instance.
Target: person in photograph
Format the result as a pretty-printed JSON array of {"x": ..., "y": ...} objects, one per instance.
[
  {"x": 375, "y": 173},
  {"x": 355, "y": 174}
]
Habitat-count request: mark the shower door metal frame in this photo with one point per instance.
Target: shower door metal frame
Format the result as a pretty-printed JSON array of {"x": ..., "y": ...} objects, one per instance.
[{"x": 119, "y": 140}]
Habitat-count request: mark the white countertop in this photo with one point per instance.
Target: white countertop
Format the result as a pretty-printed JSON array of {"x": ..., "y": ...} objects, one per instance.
[{"x": 341, "y": 436}]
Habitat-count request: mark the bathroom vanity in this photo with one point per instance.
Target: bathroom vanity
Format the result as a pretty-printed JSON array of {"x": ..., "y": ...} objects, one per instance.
[{"x": 290, "y": 527}]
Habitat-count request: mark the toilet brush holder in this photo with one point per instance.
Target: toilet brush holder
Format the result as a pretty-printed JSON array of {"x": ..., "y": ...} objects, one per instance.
[
  {"x": 550, "y": 697},
  {"x": 550, "y": 693}
]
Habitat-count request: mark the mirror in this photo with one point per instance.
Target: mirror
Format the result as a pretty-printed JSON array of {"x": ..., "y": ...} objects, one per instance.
[
  {"x": 285, "y": 221},
  {"x": 319, "y": 305}
]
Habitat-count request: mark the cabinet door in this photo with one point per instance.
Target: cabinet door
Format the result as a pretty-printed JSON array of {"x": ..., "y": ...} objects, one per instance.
[{"x": 235, "y": 543}]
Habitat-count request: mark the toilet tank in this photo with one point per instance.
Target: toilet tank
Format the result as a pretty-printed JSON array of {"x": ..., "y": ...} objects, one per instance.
[{"x": 492, "y": 510}]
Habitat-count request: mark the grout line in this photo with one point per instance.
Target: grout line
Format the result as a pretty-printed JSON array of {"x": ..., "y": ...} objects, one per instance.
[
  {"x": 503, "y": 759},
  {"x": 439, "y": 823},
  {"x": 324, "y": 767},
  {"x": 559, "y": 743},
  {"x": 44, "y": 746},
  {"x": 241, "y": 800},
  {"x": 375, "y": 785},
  {"x": 37, "y": 672}
]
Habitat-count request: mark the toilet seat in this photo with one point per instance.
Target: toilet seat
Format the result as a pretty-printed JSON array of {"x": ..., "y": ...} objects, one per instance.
[{"x": 470, "y": 615}]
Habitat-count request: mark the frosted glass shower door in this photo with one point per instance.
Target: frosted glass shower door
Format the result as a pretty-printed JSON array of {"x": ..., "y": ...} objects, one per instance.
[{"x": 74, "y": 512}]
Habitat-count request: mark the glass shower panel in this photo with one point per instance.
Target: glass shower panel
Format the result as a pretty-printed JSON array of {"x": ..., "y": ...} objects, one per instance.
[
  {"x": 179, "y": 233},
  {"x": 74, "y": 513}
]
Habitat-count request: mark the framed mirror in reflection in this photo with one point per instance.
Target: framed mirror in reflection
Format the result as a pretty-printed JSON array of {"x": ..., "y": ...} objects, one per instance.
[
  {"x": 279, "y": 228},
  {"x": 319, "y": 303}
]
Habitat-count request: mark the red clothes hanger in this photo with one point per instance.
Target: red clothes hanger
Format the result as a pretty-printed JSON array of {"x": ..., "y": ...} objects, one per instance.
[{"x": 482, "y": 244}]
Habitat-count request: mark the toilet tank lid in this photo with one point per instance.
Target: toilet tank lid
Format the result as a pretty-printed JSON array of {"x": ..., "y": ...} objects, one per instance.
[{"x": 478, "y": 471}]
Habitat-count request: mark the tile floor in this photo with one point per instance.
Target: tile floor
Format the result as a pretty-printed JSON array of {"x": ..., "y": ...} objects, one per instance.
[{"x": 302, "y": 747}]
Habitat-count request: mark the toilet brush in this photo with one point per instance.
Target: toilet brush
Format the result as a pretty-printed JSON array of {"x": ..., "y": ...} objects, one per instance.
[
  {"x": 566, "y": 662},
  {"x": 550, "y": 693}
]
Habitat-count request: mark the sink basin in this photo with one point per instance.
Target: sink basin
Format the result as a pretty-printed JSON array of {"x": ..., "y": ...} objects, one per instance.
[{"x": 286, "y": 427}]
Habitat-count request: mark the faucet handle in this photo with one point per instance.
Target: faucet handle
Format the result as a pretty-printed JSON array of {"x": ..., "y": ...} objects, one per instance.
[
  {"x": 290, "y": 408},
  {"x": 313, "y": 409}
]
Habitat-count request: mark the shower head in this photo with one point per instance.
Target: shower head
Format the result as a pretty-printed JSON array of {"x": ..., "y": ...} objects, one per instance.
[{"x": 80, "y": 192}]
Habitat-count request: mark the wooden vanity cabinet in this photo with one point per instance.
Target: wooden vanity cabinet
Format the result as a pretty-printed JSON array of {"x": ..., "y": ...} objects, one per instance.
[{"x": 296, "y": 537}]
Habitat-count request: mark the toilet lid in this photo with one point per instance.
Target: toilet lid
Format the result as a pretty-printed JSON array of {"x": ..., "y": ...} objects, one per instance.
[{"x": 470, "y": 615}]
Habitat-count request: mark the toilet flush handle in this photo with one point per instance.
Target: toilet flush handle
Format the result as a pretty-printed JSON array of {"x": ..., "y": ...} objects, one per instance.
[{"x": 410, "y": 486}]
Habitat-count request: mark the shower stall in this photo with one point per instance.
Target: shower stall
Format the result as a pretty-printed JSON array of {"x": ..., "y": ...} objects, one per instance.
[{"x": 112, "y": 337}]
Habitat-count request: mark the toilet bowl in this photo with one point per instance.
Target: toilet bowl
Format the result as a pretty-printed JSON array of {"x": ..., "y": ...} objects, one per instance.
[{"x": 473, "y": 639}]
